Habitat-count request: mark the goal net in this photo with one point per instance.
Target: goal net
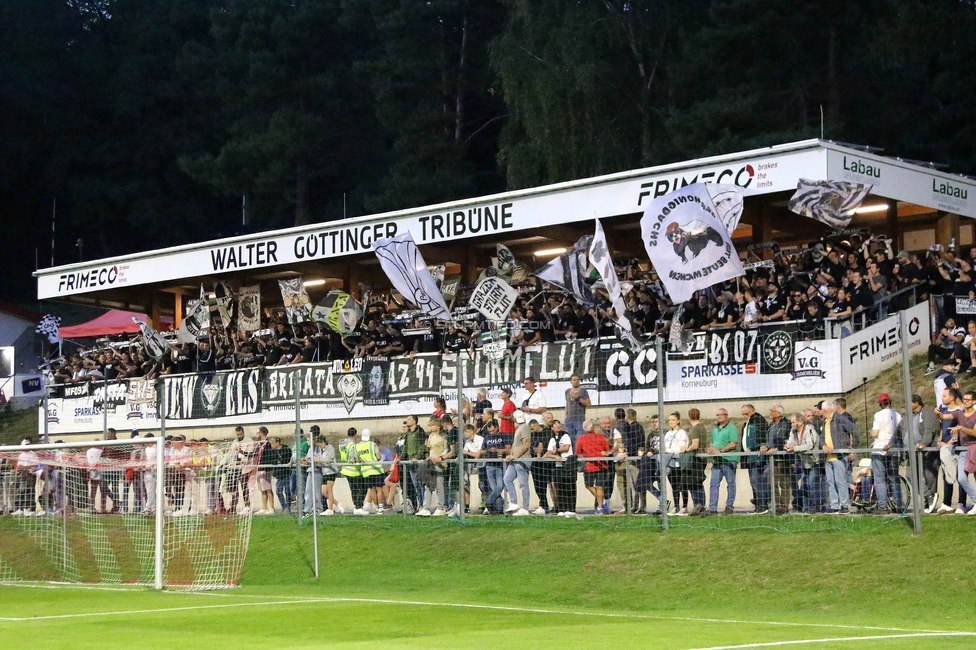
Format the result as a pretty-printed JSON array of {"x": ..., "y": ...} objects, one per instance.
[{"x": 139, "y": 511}]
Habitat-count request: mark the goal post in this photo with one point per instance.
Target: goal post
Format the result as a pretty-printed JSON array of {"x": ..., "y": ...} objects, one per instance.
[{"x": 140, "y": 511}]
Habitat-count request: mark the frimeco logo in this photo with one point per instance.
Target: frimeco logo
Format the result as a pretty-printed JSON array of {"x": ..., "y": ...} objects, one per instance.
[
  {"x": 88, "y": 279},
  {"x": 741, "y": 176}
]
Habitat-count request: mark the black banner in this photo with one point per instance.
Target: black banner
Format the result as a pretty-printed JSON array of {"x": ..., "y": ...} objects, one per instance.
[
  {"x": 777, "y": 353},
  {"x": 213, "y": 395},
  {"x": 619, "y": 368},
  {"x": 370, "y": 381},
  {"x": 732, "y": 347}
]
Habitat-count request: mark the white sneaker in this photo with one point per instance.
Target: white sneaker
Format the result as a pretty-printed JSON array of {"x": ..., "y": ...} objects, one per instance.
[
  {"x": 360, "y": 511},
  {"x": 380, "y": 509},
  {"x": 341, "y": 509},
  {"x": 455, "y": 511},
  {"x": 539, "y": 511},
  {"x": 328, "y": 512},
  {"x": 424, "y": 513},
  {"x": 930, "y": 369},
  {"x": 370, "y": 508},
  {"x": 244, "y": 511},
  {"x": 440, "y": 512},
  {"x": 512, "y": 507},
  {"x": 17, "y": 513},
  {"x": 29, "y": 513},
  {"x": 972, "y": 511},
  {"x": 208, "y": 511},
  {"x": 960, "y": 511},
  {"x": 944, "y": 510},
  {"x": 41, "y": 513},
  {"x": 521, "y": 512},
  {"x": 179, "y": 513}
]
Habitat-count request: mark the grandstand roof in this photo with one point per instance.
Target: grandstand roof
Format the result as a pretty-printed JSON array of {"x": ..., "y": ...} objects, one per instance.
[{"x": 526, "y": 220}]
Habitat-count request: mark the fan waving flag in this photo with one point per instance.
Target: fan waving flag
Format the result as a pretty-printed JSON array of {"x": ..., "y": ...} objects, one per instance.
[
  {"x": 50, "y": 326},
  {"x": 687, "y": 242},
  {"x": 404, "y": 266},
  {"x": 156, "y": 343},
  {"x": 600, "y": 258},
  {"x": 568, "y": 271},
  {"x": 339, "y": 311},
  {"x": 830, "y": 202}
]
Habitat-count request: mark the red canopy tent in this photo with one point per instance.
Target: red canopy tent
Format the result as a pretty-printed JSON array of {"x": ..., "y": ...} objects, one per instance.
[{"x": 111, "y": 322}]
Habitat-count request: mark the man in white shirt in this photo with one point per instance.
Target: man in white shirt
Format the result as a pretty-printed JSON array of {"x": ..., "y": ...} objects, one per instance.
[
  {"x": 534, "y": 403},
  {"x": 884, "y": 465},
  {"x": 472, "y": 449}
]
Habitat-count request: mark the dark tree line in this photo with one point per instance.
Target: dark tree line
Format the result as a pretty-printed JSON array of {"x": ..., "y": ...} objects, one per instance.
[{"x": 157, "y": 123}]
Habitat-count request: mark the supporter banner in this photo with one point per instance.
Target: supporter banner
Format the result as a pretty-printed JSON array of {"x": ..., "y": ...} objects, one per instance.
[
  {"x": 345, "y": 383},
  {"x": 249, "y": 308},
  {"x": 141, "y": 391},
  {"x": 866, "y": 353},
  {"x": 698, "y": 250},
  {"x": 339, "y": 311},
  {"x": 73, "y": 391},
  {"x": 732, "y": 346},
  {"x": 621, "y": 368},
  {"x": 298, "y": 307},
  {"x": 965, "y": 305},
  {"x": 213, "y": 395},
  {"x": 110, "y": 395},
  {"x": 196, "y": 323},
  {"x": 404, "y": 266},
  {"x": 494, "y": 298}
]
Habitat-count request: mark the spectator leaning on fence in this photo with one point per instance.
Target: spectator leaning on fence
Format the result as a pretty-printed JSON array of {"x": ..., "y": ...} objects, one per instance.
[
  {"x": 754, "y": 432},
  {"x": 803, "y": 442},
  {"x": 725, "y": 438},
  {"x": 923, "y": 431},
  {"x": 839, "y": 433},
  {"x": 777, "y": 436},
  {"x": 884, "y": 462}
]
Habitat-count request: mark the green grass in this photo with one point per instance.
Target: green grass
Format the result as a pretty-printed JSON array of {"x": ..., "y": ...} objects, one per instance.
[{"x": 569, "y": 584}]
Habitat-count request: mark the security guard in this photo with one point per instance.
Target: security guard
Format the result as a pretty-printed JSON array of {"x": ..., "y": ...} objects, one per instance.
[
  {"x": 347, "y": 454},
  {"x": 368, "y": 453}
]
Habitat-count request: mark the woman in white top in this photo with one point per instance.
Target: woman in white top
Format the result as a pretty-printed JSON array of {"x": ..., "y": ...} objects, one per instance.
[
  {"x": 676, "y": 442},
  {"x": 563, "y": 483}
]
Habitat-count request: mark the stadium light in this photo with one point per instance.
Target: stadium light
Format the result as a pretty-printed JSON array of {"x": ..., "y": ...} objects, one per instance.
[
  {"x": 880, "y": 207},
  {"x": 313, "y": 283},
  {"x": 549, "y": 251}
]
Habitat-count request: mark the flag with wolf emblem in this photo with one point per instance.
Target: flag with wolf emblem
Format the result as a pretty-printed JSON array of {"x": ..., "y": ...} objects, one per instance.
[
  {"x": 249, "y": 308},
  {"x": 568, "y": 271},
  {"x": 687, "y": 242},
  {"x": 830, "y": 202},
  {"x": 404, "y": 266}
]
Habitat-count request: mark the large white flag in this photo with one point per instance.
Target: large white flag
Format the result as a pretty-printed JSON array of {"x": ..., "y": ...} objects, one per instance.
[
  {"x": 728, "y": 200},
  {"x": 568, "y": 271},
  {"x": 404, "y": 266},
  {"x": 601, "y": 259},
  {"x": 830, "y": 202},
  {"x": 494, "y": 298},
  {"x": 687, "y": 242}
]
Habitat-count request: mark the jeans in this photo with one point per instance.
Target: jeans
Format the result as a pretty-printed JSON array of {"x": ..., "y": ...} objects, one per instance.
[
  {"x": 812, "y": 488},
  {"x": 574, "y": 429},
  {"x": 413, "y": 489},
  {"x": 519, "y": 470},
  {"x": 838, "y": 486},
  {"x": 496, "y": 481},
  {"x": 962, "y": 479},
  {"x": 759, "y": 480},
  {"x": 283, "y": 490},
  {"x": 886, "y": 475},
  {"x": 722, "y": 469}
]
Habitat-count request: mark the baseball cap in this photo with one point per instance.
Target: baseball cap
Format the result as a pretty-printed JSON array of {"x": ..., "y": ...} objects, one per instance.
[
  {"x": 365, "y": 435},
  {"x": 902, "y": 254},
  {"x": 519, "y": 417},
  {"x": 883, "y": 397}
]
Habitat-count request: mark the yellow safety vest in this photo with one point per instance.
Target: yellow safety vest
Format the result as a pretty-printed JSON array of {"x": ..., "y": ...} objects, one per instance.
[
  {"x": 367, "y": 453},
  {"x": 349, "y": 471}
]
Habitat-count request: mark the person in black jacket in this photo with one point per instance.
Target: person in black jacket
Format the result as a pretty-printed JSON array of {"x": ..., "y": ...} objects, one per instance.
[
  {"x": 754, "y": 434},
  {"x": 279, "y": 458}
]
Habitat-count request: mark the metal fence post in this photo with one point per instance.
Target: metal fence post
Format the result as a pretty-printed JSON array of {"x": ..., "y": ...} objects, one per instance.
[
  {"x": 662, "y": 465},
  {"x": 906, "y": 374},
  {"x": 44, "y": 398},
  {"x": 299, "y": 483},
  {"x": 459, "y": 455}
]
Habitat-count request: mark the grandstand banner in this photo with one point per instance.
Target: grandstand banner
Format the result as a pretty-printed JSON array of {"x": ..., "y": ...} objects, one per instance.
[
  {"x": 249, "y": 308},
  {"x": 866, "y": 353},
  {"x": 213, "y": 395},
  {"x": 687, "y": 242},
  {"x": 339, "y": 383}
]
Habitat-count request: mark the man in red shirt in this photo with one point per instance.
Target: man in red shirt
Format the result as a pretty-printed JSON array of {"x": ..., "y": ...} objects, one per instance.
[
  {"x": 593, "y": 444},
  {"x": 507, "y": 413}
]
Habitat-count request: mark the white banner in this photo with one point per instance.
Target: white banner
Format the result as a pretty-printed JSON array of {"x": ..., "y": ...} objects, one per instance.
[
  {"x": 688, "y": 243},
  {"x": 878, "y": 347},
  {"x": 494, "y": 298},
  {"x": 965, "y": 305},
  {"x": 601, "y": 259}
]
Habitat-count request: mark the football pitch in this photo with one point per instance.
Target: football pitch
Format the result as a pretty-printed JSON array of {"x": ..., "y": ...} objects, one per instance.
[{"x": 543, "y": 584}]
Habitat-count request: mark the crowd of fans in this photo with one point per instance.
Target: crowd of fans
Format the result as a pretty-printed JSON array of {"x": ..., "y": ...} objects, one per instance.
[
  {"x": 843, "y": 276},
  {"x": 819, "y": 460}
]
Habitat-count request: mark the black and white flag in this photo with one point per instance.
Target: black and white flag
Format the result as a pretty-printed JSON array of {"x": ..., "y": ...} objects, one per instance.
[
  {"x": 568, "y": 271},
  {"x": 494, "y": 298},
  {"x": 249, "y": 308},
  {"x": 50, "y": 326},
  {"x": 830, "y": 202},
  {"x": 196, "y": 323},
  {"x": 223, "y": 297},
  {"x": 687, "y": 242},
  {"x": 298, "y": 307},
  {"x": 601, "y": 259},
  {"x": 156, "y": 344},
  {"x": 404, "y": 266},
  {"x": 728, "y": 200}
]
